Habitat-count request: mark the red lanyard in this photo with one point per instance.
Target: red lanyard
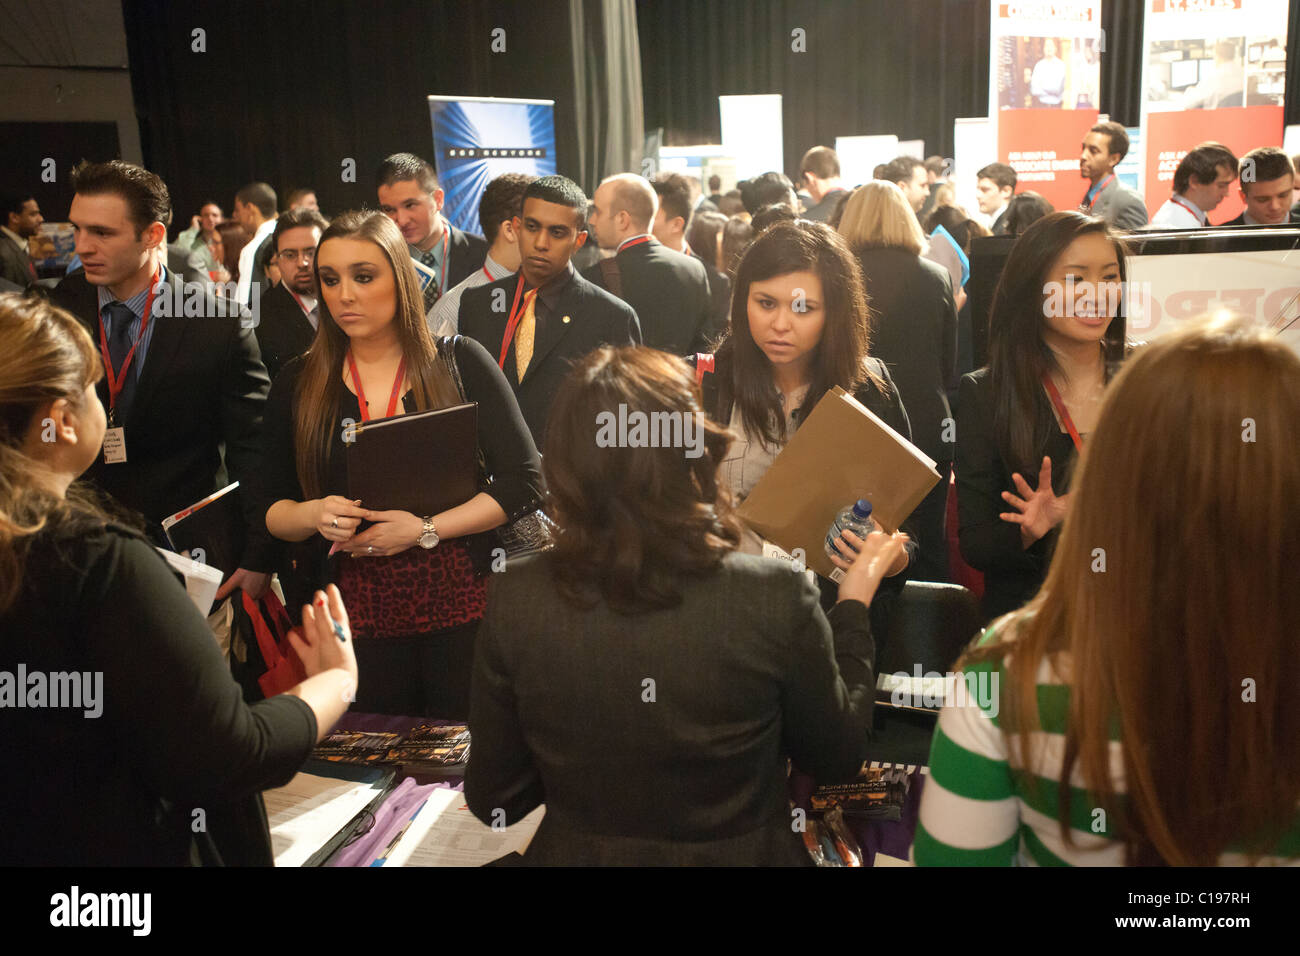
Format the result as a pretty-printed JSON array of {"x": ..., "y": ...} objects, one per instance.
[
  {"x": 488, "y": 274},
  {"x": 117, "y": 380},
  {"x": 1179, "y": 202},
  {"x": 633, "y": 242},
  {"x": 361, "y": 395},
  {"x": 1061, "y": 410},
  {"x": 513, "y": 321},
  {"x": 305, "y": 311},
  {"x": 1100, "y": 189}
]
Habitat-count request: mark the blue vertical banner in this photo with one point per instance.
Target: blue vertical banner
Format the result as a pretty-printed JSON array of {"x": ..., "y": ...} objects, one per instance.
[{"x": 476, "y": 139}]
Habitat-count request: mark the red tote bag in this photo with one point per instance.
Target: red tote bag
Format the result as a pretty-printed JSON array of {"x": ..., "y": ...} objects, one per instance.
[{"x": 271, "y": 624}]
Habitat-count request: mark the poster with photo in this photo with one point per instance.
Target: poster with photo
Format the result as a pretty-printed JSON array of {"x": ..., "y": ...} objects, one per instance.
[
  {"x": 1044, "y": 90},
  {"x": 1211, "y": 70}
]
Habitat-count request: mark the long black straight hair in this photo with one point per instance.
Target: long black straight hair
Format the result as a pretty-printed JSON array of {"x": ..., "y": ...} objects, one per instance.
[{"x": 1019, "y": 356}]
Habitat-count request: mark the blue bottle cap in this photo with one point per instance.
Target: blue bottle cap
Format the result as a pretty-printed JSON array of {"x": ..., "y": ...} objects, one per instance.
[{"x": 862, "y": 508}]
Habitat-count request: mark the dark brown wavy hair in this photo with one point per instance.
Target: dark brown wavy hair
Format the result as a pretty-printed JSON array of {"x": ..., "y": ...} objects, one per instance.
[
  {"x": 320, "y": 387},
  {"x": 635, "y": 523},
  {"x": 798, "y": 246}
]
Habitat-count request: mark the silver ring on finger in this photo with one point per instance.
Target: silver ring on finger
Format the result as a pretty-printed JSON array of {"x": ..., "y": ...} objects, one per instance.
[
  {"x": 335, "y": 523},
  {"x": 370, "y": 549}
]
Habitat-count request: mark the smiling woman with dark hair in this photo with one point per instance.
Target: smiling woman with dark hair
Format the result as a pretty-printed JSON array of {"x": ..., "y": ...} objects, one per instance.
[
  {"x": 1056, "y": 335},
  {"x": 645, "y": 680}
]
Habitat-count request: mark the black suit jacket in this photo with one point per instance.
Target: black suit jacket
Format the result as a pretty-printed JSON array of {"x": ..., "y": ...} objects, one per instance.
[
  {"x": 668, "y": 290},
  {"x": 202, "y": 385},
  {"x": 283, "y": 331},
  {"x": 1293, "y": 218},
  {"x": 596, "y": 318},
  {"x": 746, "y": 671},
  {"x": 468, "y": 253},
  {"x": 719, "y": 304}
]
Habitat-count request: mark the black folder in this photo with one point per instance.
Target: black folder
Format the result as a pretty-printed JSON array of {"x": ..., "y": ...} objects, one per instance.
[
  {"x": 215, "y": 525},
  {"x": 424, "y": 462}
]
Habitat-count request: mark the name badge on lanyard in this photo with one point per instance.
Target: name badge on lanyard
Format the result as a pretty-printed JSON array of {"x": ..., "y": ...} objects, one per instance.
[{"x": 114, "y": 445}]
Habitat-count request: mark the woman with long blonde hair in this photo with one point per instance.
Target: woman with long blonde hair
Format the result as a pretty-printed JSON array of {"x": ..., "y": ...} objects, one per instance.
[
  {"x": 417, "y": 588},
  {"x": 1155, "y": 668}
]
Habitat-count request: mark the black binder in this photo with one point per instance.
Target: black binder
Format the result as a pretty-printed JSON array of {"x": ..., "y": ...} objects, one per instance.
[
  {"x": 424, "y": 462},
  {"x": 216, "y": 525}
]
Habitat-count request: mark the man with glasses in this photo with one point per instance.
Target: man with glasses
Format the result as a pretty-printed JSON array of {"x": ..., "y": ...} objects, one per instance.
[{"x": 289, "y": 313}]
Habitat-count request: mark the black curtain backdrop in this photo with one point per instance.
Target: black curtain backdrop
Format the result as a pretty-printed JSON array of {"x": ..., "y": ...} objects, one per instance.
[{"x": 286, "y": 92}]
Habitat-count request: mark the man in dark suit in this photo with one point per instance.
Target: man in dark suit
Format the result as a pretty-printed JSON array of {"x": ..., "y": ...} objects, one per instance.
[
  {"x": 20, "y": 219},
  {"x": 183, "y": 384},
  {"x": 995, "y": 184},
  {"x": 288, "y": 314},
  {"x": 1267, "y": 177},
  {"x": 669, "y": 291},
  {"x": 444, "y": 256},
  {"x": 542, "y": 319},
  {"x": 672, "y": 221}
]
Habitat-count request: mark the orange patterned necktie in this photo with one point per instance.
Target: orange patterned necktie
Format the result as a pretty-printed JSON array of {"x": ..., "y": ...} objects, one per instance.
[{"x": 525, "y": 334}]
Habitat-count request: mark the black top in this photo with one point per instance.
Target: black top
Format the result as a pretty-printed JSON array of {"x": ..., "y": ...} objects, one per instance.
[
  {"x": 914, "y": 332},
  {"x": 1012, "y": 573},
  {"x": 746, "y": 671},
  {"x": 174, "y": 735},
  {"x": 201, "y": 391},
  {"x": 507, "y": 447}
]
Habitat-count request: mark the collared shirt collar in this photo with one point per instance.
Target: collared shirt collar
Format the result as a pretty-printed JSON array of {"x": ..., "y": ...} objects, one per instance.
[
  {"x": 19, "y": 241},
  {"x": 643, "y": 235},
  {"x": 549, "y": 294},
  {"x": 1193, "y": 208},
  {"x": 495, "y": 269},
  {"x": 137, "y": 301}
]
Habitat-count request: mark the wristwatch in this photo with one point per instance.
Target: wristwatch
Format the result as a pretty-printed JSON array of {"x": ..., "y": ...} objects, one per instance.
[{"x": 428, "y": 537}]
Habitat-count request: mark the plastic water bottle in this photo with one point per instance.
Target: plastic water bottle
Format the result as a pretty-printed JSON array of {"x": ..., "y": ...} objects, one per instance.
[{"x": 856, "y": 518}]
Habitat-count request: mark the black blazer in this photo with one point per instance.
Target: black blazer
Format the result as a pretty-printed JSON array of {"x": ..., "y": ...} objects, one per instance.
[
  {"x": 1012, "y": 573},
  {"x": 283, "y": 331},
  {"x": 468, "y": 253},
  {"x": 1293, "y": 217},
  {"x": 202, "y": 385},
  {"x": 668, "y": 290},
  {"x": 746, "y": 671},
  {"x": 719, "y": 305},
  {"x": 596, "y": 319},
  {"x": 173, "y": 734},
  {"x": 914, "y": 332}
]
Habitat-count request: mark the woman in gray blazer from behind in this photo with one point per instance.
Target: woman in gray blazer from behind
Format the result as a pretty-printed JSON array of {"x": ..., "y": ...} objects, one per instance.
[{"x": 645, "y": 680}]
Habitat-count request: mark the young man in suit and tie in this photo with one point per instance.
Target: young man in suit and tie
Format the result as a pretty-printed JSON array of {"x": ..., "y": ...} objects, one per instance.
[
  {"x": 541, "y": 320},
  {"x": 290, "y": 312},
  {"x": 672, "y": 221},
  {"x": 669, "y": 292},
  {"x": 410, "y": 196},
  {"x": 1104, "y": 147},
  {"x": 21, "y": 220},
  {"x": 177, "y": 386},
  {"x": 1267, "y": 177}
]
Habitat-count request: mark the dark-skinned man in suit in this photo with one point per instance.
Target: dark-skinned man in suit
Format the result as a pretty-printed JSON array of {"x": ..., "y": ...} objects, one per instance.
[
  {"x": 190, "y": 384},
  {"x": 540, "y": 320}
]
